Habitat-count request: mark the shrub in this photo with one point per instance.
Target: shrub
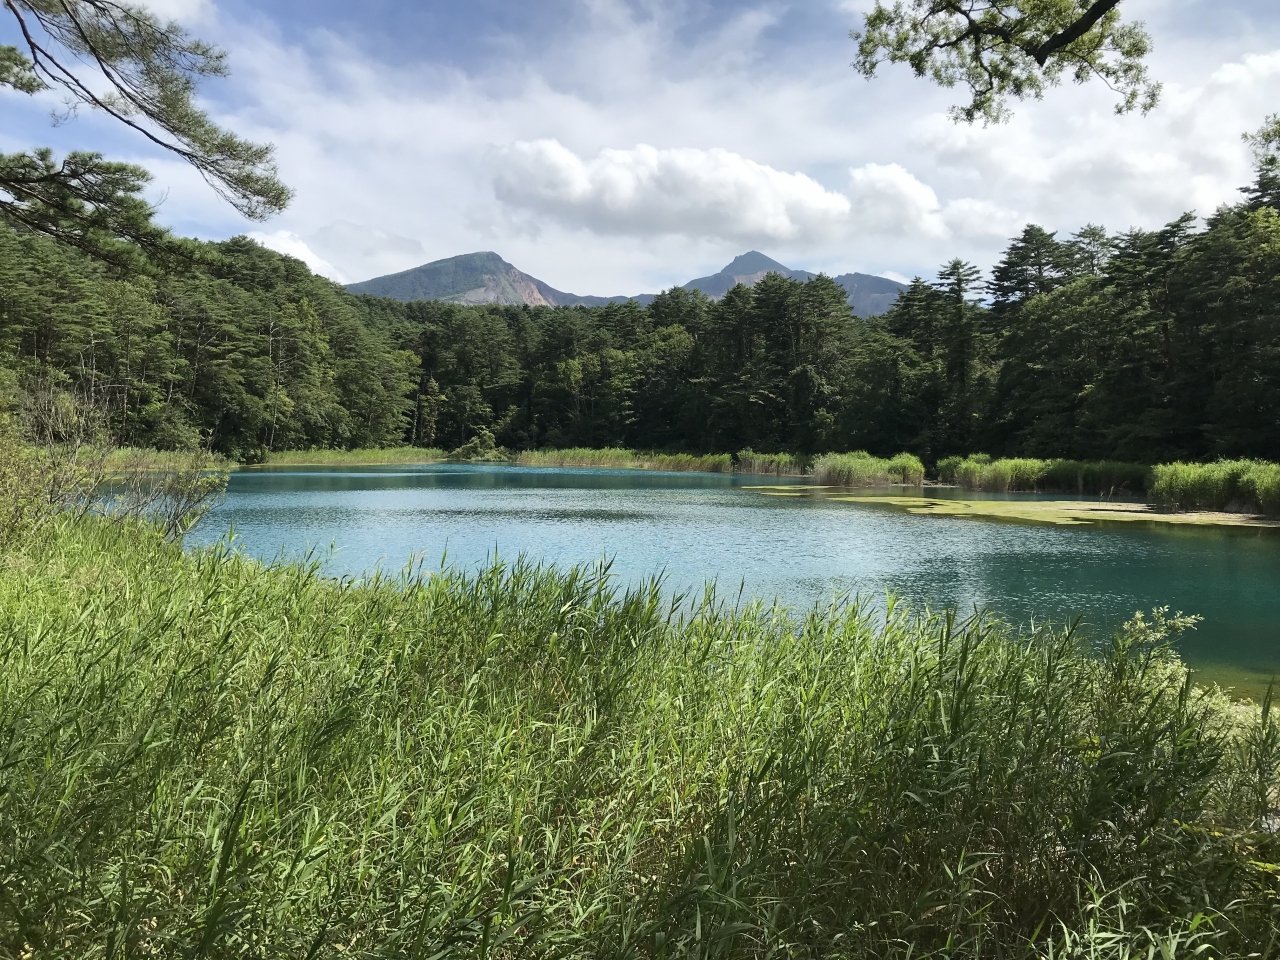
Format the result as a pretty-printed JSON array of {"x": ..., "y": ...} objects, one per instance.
[
  {"x": 172, "y": 490},
  {"x": 480, "y": 448},
  {"x": 948, "y": 467},
  {"x": 906, "y": 468}
]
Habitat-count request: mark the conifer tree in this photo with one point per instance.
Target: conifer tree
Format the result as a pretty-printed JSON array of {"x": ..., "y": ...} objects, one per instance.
[{"x": 144, "y": 73}]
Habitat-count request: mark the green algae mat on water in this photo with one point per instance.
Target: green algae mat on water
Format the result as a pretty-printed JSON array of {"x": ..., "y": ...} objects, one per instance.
[{"x": 1065, "y": 512}]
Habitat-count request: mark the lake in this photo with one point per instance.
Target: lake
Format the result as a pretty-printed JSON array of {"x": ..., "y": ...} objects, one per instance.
[{"x": 695, "y": 528}]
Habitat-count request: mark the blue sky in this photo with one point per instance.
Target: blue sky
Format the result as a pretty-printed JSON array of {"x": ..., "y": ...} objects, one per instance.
[{"x": 619, "y": 146}]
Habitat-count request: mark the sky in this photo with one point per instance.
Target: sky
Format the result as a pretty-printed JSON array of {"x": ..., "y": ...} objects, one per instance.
[{"x": 614, "y": 147}]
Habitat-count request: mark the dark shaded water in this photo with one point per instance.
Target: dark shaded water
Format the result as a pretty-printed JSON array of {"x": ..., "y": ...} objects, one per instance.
[{"x": 703, "y": 527}]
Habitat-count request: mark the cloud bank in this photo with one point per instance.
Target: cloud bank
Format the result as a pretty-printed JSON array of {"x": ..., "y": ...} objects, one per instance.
[
  {"x": 636, "y": 145},
  {"x": 644, "y": 191}
]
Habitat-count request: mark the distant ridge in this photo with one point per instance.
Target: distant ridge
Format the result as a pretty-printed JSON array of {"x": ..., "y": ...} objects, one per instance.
[
  {"x": 473, "y": 278},
  {"x": 478, "y": 278},
  {"x": 868, "y": 295}
]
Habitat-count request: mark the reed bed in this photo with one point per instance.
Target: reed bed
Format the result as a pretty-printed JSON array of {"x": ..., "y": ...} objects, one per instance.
[
  {"x": 145, "y": 460},
  {"x": 770, "y": 464},
  {"x": 1027, "y": 475},
  {"x": 863, "y": 470},
  {"x": 621, "y": 459},
  {"x": 1245, "y": 486},
  {"x": 355, "y": 458},
  {"x": 204, "y": 757}
]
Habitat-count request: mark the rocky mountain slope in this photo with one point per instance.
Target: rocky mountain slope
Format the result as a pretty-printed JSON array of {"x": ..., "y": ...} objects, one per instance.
[
  {"x": 477, "y": 278},
  {"x": 868, "y": 295}
]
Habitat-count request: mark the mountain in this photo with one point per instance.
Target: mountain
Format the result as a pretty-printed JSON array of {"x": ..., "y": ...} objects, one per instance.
[
  {"x": 749, "y": 269},
  {"x": 473, "y": 278},
  {"x": 476, "y": 278},
  {"x": 868, "y": 295}
]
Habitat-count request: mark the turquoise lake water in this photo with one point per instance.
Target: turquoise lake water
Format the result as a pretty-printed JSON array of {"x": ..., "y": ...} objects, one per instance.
[{"x": 696, "y": 528}]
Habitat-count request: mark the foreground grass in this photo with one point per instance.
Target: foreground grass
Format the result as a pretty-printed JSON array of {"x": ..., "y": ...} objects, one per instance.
[{"x": 203, "y": 757}]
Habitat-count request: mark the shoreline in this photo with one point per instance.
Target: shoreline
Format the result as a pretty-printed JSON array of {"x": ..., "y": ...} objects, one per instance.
[{"x": 1060, "y": 510}]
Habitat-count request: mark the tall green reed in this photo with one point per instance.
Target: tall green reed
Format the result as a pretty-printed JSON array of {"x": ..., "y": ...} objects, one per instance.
[
  {"x": 860, "y": 469},
  {"x": 201, "y": 756},
  {"x": 770, "y": 464},
  {"x": 1240, "y": 485},
  {"x": 1029, "y": 475},
  {"x": 622, "y": 459}
]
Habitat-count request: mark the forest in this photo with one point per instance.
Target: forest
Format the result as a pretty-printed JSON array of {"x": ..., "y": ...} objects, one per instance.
[{"x": 1144, "y": 346}]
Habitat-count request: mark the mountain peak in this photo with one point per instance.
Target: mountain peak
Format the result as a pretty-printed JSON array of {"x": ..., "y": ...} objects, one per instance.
[
  {"x": 754, "y": 262},
  {"x": 471, "y": 278},
  {"x": 484, "y": 277}
]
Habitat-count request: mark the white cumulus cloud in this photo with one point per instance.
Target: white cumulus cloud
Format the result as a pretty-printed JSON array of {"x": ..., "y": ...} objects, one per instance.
[
  {"x": 685, "y": 191},
  {"x": 718, "y": 194},
  {"x": 183, "y": 11},
  {"x": 753, "y": 132},
  {"x": 292, "y": 245},
  {"x": 888, "y": 199},
  {"x": 363, "y": 251}
]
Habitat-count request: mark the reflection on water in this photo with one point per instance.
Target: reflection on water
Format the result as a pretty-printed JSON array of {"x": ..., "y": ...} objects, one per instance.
[{"x": 707, "y": 527}]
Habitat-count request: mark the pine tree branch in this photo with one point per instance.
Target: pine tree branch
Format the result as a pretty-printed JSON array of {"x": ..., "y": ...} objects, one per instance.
[{"x": 1074, "y": 32}]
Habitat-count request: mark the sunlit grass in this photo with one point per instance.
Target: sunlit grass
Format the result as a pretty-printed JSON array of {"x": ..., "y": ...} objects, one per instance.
[
  {"x": 1029, "y": 475},
  {"x": 1240, "y": 485},
  {"x": 388, "y": 456},
  {"x": 863, "y": 470},
  {"x": 202, "y": 756},
  {"x": 621, "y": 459}
]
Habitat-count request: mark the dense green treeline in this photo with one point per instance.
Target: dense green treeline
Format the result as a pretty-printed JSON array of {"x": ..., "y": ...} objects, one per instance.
[
  {"x": 1145, "y": 347},
  {"x": 238, "y": 347}
]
